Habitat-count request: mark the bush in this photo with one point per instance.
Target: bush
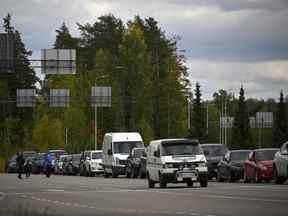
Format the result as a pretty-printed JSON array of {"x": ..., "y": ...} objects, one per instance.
[{"x": 2, "y": 164}]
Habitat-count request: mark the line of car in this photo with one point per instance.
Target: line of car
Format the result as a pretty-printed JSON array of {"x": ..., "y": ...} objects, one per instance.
[
  {"x": 265, "y": 164},
  {"x": 167, "y": 161}
]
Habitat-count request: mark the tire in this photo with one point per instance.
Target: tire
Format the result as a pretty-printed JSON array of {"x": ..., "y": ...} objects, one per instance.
[
  {"x": 204, "y": 181},
  {"x": 278, "y": 179},
  {"x": 189, "y": 183},
  {"x": 257, "y": 180},
  {"x": 219, "y": 179},
  {"x": 106, "y": 175},
  {"x": 134, "y": 173},
  {"x": 151, "y": 183},
  {"x": 245, "y": 178},
  {"x": 230, "y": 176},
  {"x": 162, "y": 182},
  {"x": 114, "y": 175}
]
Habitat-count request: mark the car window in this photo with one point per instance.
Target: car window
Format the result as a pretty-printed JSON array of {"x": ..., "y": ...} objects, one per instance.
[
  {"x": 265, "y": 155},
  {"x": 180, "y": 149},
  {"x": 239, "y": 155},
  {"x": 97, "y": 155},
  {"x": 126, "y": 147},
  {"x": 139, "y": 153},
  {"x": 214, "y": 151}
]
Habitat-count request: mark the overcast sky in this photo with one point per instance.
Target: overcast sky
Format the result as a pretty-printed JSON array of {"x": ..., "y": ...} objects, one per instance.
[{"x": 228, "y": 43}]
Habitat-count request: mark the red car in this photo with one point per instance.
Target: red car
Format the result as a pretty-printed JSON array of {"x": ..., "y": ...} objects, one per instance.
[{"x": 259, "y": 165}]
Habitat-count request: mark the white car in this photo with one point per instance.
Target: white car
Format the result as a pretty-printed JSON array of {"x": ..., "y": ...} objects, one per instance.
[
  {"x": 280, "y": 165},
  {"x": 176, "y": 161},
  {"x": 91, "y": 162}
]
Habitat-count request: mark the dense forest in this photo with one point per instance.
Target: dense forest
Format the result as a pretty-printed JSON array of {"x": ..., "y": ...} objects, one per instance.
[{"x": 150, "y": 92}]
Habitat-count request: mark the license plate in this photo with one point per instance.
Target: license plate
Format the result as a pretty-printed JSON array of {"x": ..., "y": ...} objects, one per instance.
[{"x": 187, "y": 175}]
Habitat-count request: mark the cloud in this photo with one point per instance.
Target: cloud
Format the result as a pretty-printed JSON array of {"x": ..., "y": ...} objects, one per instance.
[
  {"x": 263, "y": 79},
  {"x": 227, "y": 42}
]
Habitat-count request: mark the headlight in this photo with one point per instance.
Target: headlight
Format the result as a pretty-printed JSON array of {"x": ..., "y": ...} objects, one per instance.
[
  {"x": 116, "y": 160},
  {"x": 167, "y": 165},
  {"x": 202, "y": 165}
]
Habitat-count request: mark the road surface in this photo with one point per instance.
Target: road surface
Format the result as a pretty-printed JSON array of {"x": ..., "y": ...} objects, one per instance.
[{"x": 75, "y": 195}]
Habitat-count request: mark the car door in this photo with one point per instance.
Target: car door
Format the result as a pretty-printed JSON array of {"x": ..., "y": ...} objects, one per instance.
[
  {"x": 250, "y": 165},
  {"x": 223, "y": 165},
  {"x": 283, "y": 161}
]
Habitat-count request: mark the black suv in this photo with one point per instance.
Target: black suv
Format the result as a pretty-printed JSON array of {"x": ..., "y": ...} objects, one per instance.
[
  {"x": 213, "y": 153},
  {"x": 136, "y": 163}
]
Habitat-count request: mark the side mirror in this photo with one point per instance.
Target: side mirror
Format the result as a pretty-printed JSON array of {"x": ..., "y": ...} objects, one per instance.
[
  {"x": 87, "y": 158},
  {"x": 109, "y": 152},
  {"x": 206, "y": 152}
]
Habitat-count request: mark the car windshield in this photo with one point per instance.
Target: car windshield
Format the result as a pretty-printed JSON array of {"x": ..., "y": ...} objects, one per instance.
[
  {"x": 97, "y": 155},
  {"x": 181, "y": 149},
  {"x": 239, "y": 155},
  {"x": 126, "y": 147},
  {"x": 214, "y": 151},
  {"x": 265, "y": 155},
  {"x": 139, "y": 153}
]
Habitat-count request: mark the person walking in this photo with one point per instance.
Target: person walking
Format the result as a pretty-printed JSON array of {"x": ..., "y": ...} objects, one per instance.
[{"x": 20, "y": 162}]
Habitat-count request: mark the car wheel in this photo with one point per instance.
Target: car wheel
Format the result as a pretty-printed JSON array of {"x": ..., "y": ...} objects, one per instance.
[
  {"x": 189, "y": 183},
  {"x": 106, "y": 175},
  {"x": 151, "y": 183},
  {"x": 134, "y": 173},
  {"x": 219, "y": 178},
  {"x": 257, "y": 179},
  {"x": 245, "y": 178},
  {"x": 162, "y": 182},
  {"x": 114, "y": 175},
  {"x": 204, "y": 181},
  {"x": 278, "y": 179},
  {"x": 230, "y": 176}
]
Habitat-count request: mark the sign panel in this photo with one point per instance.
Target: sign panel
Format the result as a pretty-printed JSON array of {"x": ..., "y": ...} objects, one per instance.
[
  {"x": 101, "y": 96},
  {"x": 7, "y": 53},
  {"x": 58, "y": 61},
  {"x": 59, "y": 97},
  {"x": 26, "y": 97},
  {"x": 264, "y": 119},
  {"x": 226, "y": 122}
]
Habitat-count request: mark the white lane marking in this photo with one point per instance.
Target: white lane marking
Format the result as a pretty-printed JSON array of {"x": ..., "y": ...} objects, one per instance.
[
  {"x": 2, "y": 195},
  {"x": 55, "y": 190},
  {"x": 246, "y": 198},
  {"x": 227, "y": 197}
]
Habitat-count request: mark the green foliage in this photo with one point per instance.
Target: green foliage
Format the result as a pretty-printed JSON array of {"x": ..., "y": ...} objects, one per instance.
[
  {"x": 241, "y": 136},
  {"x": 280, "y": 132},
  {"x": 48, "y": 134},
  {"x": 198, "y": 129}
]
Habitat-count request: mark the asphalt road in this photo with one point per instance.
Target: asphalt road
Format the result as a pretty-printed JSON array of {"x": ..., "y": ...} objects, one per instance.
[{"x": 75, "y": 195}]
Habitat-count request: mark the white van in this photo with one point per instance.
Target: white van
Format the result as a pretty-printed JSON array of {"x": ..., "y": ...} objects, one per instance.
[
  {"x": 176, "y": 161},
  {"x": 116, "y": 149}
]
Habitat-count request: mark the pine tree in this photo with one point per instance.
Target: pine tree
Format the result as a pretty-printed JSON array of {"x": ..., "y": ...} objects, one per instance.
[
  {"x": 22, "y": 77},
  {"x": 280, "y": 132},
  {"x": 241, "y": 137},
  {"x": 198, "y": 130}
]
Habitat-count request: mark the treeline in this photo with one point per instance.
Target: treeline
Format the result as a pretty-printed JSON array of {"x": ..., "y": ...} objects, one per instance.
[
  {"x": 150, "y": 88},
  {"x": 145, "y": 71}
]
